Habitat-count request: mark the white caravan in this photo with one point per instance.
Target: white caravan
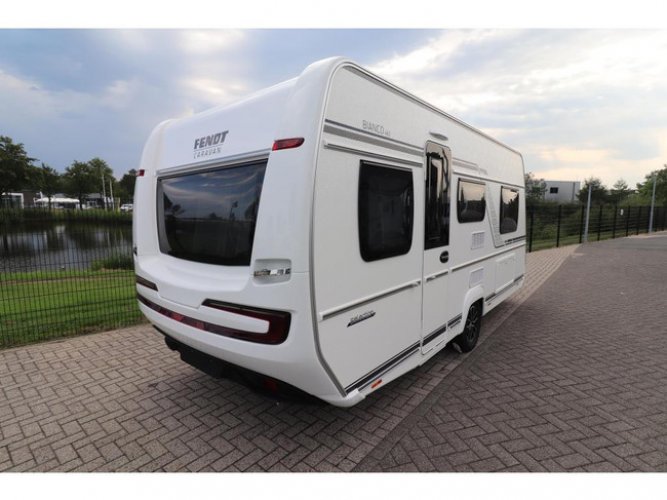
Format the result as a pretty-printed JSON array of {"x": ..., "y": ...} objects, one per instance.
[{"x": 328, "y": 233}]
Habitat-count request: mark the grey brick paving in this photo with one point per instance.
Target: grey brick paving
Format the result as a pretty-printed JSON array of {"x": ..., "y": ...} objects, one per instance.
[
  {"x": 576, "y": 380},
  {"x": 533, "y": 396}
]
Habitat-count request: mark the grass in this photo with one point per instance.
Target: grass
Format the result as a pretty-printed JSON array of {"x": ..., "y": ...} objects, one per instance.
[{"x": 47, "y": 305}]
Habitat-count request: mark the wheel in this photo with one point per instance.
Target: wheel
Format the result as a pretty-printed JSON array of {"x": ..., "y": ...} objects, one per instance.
[{"x": 467, "y": 340}]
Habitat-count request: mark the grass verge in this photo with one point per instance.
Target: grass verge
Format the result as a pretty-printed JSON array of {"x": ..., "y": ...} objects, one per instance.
[{"x": 48, "y": 305}]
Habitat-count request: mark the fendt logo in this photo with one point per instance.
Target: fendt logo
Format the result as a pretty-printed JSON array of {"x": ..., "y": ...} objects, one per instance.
[{"x": 209, "y": 145}]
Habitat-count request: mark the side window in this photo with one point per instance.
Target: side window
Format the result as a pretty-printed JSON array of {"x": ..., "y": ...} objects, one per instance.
[
  {"x": 509, "y": 210},
  {"x": 471, "y": 205},
  {"x": 437, "y": 198},
  {"x": 385, "y": 211}
]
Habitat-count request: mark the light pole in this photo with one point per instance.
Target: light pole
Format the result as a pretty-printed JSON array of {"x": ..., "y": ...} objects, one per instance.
[{"x": 650, "y": 219}]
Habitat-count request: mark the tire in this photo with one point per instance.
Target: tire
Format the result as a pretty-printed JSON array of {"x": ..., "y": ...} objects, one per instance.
[{"x": 467, "y": 340}]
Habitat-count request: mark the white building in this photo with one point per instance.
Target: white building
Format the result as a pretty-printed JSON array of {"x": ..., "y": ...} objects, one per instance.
[{"x": 562, "y": 191}]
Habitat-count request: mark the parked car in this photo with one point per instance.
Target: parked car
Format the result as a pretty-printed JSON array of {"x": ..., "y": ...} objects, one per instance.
[{"x": 127, "y": 207}]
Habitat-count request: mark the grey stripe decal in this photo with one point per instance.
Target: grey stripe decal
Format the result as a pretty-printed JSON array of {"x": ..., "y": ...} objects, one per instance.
[
  {"x": 336, "y": 311},
  {"x": 362, "y": 135},
  {"x": 383, "y": 368},
  {"x": 385, "y": 158},
  {"x": 455, "y": 320},
  {"x": 433, "y": 335}
]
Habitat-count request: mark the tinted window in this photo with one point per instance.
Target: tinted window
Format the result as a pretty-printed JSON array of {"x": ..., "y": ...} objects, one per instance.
[
  {"x": 509, "y": 210},
  {"x": 385, "y": 211},
  {"x": 471, "y": 204},
  {"x": 210, "y": 216},
  {"x": 437, "y": 198},
  {"x": 553, "y": 190}
]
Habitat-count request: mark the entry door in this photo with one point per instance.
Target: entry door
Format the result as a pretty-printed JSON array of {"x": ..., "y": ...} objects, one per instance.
[{"x": 436, "y": 305}]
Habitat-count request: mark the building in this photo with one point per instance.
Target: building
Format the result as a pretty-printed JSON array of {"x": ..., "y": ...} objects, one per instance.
[{"x": 562, "y": 191}]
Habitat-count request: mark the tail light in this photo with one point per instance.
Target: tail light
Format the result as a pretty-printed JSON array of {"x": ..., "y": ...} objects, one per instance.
[
  {"x": 279, "y": 321},
  {"x": 294, "y": 142}
]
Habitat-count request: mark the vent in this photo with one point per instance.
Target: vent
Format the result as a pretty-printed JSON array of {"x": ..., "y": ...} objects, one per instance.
[{"x": 477, "y": 240}]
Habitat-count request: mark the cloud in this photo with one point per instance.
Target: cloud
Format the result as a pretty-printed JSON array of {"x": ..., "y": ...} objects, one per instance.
[{"x": 573, "y": 101}]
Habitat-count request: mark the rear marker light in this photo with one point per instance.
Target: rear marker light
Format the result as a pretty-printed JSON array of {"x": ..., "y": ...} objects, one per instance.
[
  {"x": 294, "y": 142},
  {"x": 279, "y": 322},
  {"x": 141, "y": 173},
  {"x": 376, "y": 383},
  {"x": 144, "y": 282}
]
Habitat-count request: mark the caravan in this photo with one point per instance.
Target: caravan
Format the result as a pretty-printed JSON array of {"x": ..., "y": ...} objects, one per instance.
[{"x": 329, "y": 233}]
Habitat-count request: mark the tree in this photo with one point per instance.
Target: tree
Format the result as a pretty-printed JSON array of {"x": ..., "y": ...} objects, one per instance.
[
  {"x": 646, "y": 188},
  {"x": 80, "y": 179},
  {"x": 14, "y": 165},
  {"x": 619, "y": 192},
  {"x": 126, "y": 185},
  {"x": 48, "y": 182},
  {"x": 535, "y": 188},
  {"x": 104, "y": 174},
  {"x": 598, "y": 191}
]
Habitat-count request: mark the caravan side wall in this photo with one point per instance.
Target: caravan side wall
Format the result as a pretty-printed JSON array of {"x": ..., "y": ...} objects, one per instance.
[{"x": 369, "y": 313}]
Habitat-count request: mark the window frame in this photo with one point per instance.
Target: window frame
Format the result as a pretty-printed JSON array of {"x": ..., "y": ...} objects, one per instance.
[
  {"x": 502, "y": 209},
  {"x": 373, "y": 255},
  {"x": 458, "y": 200}
]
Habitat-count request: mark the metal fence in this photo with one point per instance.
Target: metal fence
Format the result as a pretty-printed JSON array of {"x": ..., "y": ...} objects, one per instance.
[
  {"x": 70, "y": 272},
  {"x": 550, "y": 226},
  {"x": 64, "y": 273}
]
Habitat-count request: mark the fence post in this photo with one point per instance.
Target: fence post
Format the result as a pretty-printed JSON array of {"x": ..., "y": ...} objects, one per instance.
[
  {"x": 599, "y": 222},
  {"x": 558, "y": 226},
  {"x": 530, "y": 234},
  {"x": 639, "y": 216},
  {"x": 613, "y": 231},
  {"x": 627, "y": 222},
  {"x": 581, "y": 225}
]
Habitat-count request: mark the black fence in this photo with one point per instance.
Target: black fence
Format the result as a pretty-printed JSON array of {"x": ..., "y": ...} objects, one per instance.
[
  {"x": 63, "y": 273},
  {"x": 69, "y": 272},
  {"x": 550, "y": 225}
]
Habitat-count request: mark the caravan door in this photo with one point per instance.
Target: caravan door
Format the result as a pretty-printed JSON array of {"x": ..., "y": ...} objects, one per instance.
[{"x": 437, "y": 308}]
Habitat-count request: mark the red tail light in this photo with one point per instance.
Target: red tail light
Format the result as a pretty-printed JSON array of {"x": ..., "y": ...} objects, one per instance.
[
  {"x": 294, "y": 142},
  {"x": 279, "y": 322},
  {"x": 141, "y": 173}
]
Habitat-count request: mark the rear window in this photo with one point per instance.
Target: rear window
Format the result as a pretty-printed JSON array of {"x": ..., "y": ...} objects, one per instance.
[{"x": 210, "y": 216}]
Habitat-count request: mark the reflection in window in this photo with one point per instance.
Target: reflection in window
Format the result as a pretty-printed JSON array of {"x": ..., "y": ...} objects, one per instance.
[
  {"x": 509, "y": 210},
  {"x": 385, "y": 211},
  {"x": 210, "y": 216},
  {"x": 471, "y": 204}
]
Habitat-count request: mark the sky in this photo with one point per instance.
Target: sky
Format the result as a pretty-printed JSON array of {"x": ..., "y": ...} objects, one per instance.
[{"x": 575, "y": 102}]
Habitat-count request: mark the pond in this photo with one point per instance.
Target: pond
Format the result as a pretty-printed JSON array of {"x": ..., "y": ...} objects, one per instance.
[{"x": 34, "y": 246}]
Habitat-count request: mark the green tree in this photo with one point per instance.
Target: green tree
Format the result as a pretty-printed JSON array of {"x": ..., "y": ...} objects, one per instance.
[
  {"x": 598, "y": 191},
  {"x": 126, "y": 186},
  {"x": 535, "y": 188},
  {"x": 619, "y": 192},
  {"x": 14, "y": 165},
  {"x": 80, "y": 179},
  {"x": 645, "y": 189},
  {"x": 104, "y": 175},
  {"x": 49, "y": 182}
]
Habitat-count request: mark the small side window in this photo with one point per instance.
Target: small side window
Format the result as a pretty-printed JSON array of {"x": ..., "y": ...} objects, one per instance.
[
  {"x": 509, "y": 210},
  {"x": 385, "y": 211},
  {"x": 471, "y": 205}
]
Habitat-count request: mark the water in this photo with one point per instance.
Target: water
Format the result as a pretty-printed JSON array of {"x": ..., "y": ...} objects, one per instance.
[{"x": 34, "y": 246}]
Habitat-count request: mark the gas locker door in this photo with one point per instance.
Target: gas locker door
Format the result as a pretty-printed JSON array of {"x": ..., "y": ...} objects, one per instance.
[
  {"x": 437, "y": 309},
  {"x": 367, "y": 258}
]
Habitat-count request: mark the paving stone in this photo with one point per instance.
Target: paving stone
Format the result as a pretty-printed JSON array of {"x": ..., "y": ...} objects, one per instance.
[{"x": 556, "y": 383}]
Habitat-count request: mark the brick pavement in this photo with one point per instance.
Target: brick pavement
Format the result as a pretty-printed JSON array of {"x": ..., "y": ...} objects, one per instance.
[
  {"x": 121, "y": 401},
  {"x": 575, "y": 381}
]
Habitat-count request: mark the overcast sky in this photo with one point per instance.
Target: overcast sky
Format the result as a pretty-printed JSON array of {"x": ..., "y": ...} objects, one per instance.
[{"x": 576, "y": 103}]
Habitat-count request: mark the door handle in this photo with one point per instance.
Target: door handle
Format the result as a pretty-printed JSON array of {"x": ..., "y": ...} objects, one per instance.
[{"x": 444, "y": 256}]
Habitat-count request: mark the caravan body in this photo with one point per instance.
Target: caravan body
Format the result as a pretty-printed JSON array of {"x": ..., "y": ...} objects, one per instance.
[{"x": 331, "y": 232}]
